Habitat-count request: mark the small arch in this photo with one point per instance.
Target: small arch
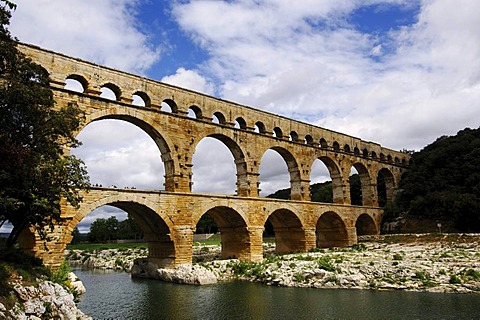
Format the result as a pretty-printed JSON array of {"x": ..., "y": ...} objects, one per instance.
[
  {"x": 323, "y": 143},
  {"x": 389, "y": 159},
  {"x": 260, "y": 127},
  {"x": 382, "y": 157},
  {"x": 397, "y": 160},
  {"x": 195, "y": 112},
  {"x": 336, "y": 146},
  {"x": 219, "y": 118},
  {"x": 240, "y": 123},
  {"x": 288, "y": 230},
  {"x": 331, "y": 231},
  {"x": 110, "y": 91},
  {"x": 141, "y": 99},
  {"x": 277, "y": 132},
  {"x": 346, "y": 148},
  {"x": 168, "y": 105},
  {"x": 76, "y": 83},
  {"x": 308, "y": 140},
  {"x": 356, "y": 151},
  {"x": 374, "y": 155},
  {"x": 293, "y": 136},
  {"x": 404, "y": 161},
  {"x": 365, "y": 225},
  {"x": 365, "y": 153}
]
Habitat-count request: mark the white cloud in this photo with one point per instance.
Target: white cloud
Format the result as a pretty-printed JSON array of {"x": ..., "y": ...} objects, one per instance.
[
  {"x": 190, "y": 79},
  {"x": 105, "y": 32}
]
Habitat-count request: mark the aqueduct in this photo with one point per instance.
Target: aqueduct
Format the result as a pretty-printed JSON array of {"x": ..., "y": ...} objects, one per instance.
[{"x": 169, "y": 217}]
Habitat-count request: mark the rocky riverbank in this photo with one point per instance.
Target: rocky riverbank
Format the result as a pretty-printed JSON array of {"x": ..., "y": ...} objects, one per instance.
[{"x": 445, "y": 263}]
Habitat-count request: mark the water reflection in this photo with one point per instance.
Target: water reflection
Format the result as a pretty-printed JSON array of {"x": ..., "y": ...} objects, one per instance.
[{"x": 116, "y": 296}]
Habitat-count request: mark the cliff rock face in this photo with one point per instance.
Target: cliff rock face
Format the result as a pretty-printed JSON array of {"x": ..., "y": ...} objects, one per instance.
[{"x": 48, "y": 300}]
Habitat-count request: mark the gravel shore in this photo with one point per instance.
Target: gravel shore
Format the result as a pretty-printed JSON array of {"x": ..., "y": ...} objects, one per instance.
[{"x": 438, "y": 263}]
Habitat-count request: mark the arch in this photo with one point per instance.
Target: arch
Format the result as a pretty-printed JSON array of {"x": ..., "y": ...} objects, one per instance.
[
  {"x": 335, "y": 176},
  {"x": 382, "y": 157},
  {"x": 308, "y": 140},
  {"x": 346, "y": 148},
  {"x": 219, "y": 118},
  {"x": 260, "y": 127},
  {"x": 107, "y": 89},
  {"x": 147, "y": 125},
  {"x": 168, "y": 105},
  {"x": 366, "y": 193},
  {"x": 238, "y": 160},
  {"x": 195, "y": 112},
  {"x": 277, "y": 132},
  {"x": 235, "y": 238},
  {"x": 336, "y": 146},
  {"x": 331, "y": 231},
  {"x": 389, "y": 159},
  {"x": 240, "y": 123},
  {"x": 289, "y": 232},
  {"x": 374, "y": 155},
  {"x": 323, "y": 143},
  {"x": 385, "y": 187},
  {"x": 356, "y": 151},
  {"x": 77, "y": 83},
  {"x": 141, "y": 99},
  {"x": 365, "y": 225},
  {"x": 365, "y": 153},
  {"x": 293, "y": 136},
  {"x": 293, "y": 170}
]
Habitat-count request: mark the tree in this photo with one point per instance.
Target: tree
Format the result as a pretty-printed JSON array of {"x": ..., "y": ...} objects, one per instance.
[
  {"x": 443, "y": 182},
  {"x": 35, "y": 172},
  {"x": 76, "y": 236}
]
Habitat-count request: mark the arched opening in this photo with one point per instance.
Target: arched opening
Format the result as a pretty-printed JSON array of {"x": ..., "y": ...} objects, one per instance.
[
  {"x": 374, "y": 155},
  {"x": 346, "y": 148},
  {"x": 277, "y": 132},
  {"x": 385, "y": 187},
  {"x": 168, "y": 105},
  {"x": 240, "y": 123},
  {"x": 326, "y": 181},
  {"x": 260, "y": 127},
  {"x": 219, "y": 167},
  {"x": 356, "y": 151},
  {"x": 76, "y": 83},
  {"x": 365, "y": 153},
  {"x": 119, "y": 154},
  {"x": 308, "y": 140},
  {"x": 141, "y": 99},
  {"x": 323, "y": 143},
  {"x": 336, "y": 146},
  {"x": 361, "y": 192},
  {"x": 110, "y": 91},
  {"x": 365, "y": 225},
  {"x": 331, "y": 231},
  {"x": 293, "y": 136},
  {"x": 288, "y": 231},
  {"x": 195, "y": 112},
  {"x": 218, "y": 118},
  {"x": 279, "y": 175},
  {"x": 235, "y": 239}
]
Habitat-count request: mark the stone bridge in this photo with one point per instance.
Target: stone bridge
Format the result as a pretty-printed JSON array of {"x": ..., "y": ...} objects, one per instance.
[{"x": 177, "y": 120}]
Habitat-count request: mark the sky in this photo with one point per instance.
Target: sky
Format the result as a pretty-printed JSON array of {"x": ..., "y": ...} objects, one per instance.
[{"x": 398, "y": 72}]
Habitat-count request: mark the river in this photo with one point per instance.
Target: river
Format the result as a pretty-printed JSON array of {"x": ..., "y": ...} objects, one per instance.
[{"x": 115, "y": 295}]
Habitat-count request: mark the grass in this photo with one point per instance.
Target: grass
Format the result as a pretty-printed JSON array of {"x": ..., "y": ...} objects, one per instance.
[{"x": 103, "y": 246}]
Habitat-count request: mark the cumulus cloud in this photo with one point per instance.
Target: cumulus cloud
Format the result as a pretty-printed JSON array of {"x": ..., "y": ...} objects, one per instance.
[
  {"x": 402, "y": 89},
  {"x": 106, "y": 32},
  {"x": 190, "y": 79}
]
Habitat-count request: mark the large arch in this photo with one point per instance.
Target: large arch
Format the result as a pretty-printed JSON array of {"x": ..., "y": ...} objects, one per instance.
[
  {"x": 331, "y": 231},
  {"x": 235, "y": 238},
  {"x": 367, "y": 195},
  {"x": 296, "y": 192},
  {"x": 289, "y": 231},
  {"x": 148, "y": 126},
  {"x": 335, "y": 176},
  {"x": 238, "y": 159},
  {"x": 365, "y": 225},
  {"x": 385, "y": 187}
]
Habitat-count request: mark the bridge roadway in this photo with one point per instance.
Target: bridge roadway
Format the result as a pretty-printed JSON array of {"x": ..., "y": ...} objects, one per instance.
[{"x": 169, "y": 220}]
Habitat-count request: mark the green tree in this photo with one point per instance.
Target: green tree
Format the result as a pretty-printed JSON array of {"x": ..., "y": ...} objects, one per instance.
[
  {"x": 77, "y": 237},
  {"x": 443, "y": 182},
  {"x": 35, "y": 173},
  {"x": 129, "y": 229}
]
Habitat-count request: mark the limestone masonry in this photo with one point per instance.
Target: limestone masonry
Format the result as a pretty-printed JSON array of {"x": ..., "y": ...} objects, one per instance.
[{"x": 169, "y": 217}]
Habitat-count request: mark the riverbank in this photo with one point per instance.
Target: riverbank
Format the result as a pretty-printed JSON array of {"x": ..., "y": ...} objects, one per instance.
[{"x": 433, "y": 263}]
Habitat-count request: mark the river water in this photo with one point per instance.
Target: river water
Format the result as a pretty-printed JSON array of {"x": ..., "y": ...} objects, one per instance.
[{"x": 115, "y": 295}]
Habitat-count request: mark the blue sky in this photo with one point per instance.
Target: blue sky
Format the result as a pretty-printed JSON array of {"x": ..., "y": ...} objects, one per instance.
[{"x": 397, "y": 72}]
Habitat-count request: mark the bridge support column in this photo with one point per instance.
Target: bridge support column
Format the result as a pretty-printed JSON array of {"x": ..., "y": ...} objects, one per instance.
[
  {"x": 300, "y": 190},
  {"x": 310, "y": 239},
  {"x": 183, "y": 238},
  {"x": 247, "y": 185},
  {"x": 243, "y": 243},
  {"x": 161, "y": 251}
]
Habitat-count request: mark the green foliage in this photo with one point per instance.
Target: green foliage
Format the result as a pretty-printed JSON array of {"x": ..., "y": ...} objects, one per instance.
[
  {"x": 104, "y": 230},
  {"x": 60, "y": 275},
  {"x": 326, "y": 264},
  {"x": 443, "y": 182},
  {"x": 397, "y": 256},
  {"x": 454, "y": 279},
  {"x": 34, "y": 171},
  {"x": 207, "y": 224},
  {"x": 320, "y": 192}
]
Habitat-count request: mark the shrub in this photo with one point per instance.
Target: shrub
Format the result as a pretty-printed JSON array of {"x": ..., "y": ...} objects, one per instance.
[
  {"x": 454, "y": 279},
  {"x": 326, "y": 264}
]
